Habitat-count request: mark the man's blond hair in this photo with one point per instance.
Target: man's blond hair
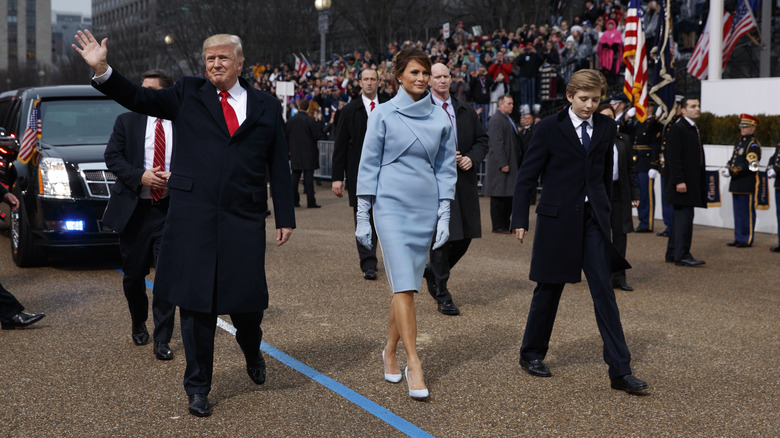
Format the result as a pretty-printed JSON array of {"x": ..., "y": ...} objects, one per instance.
[{"x": 224, "y": 39}]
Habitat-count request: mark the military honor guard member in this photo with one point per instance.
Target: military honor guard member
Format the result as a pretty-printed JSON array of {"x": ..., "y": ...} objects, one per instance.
[
  {"x": 772, "y": 170},
  {"x": 647, "y": 138},
  {"x": 743, "y": 170}
]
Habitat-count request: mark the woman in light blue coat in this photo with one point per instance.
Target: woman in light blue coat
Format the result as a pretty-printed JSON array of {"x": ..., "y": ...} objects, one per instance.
[{"x": 407, "y": 173}]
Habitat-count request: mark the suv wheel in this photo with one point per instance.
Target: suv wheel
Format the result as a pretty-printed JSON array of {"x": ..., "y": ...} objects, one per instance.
[{"x": 23, "y": 249}]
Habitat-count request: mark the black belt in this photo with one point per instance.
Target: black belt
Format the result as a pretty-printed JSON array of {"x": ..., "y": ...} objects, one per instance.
[{"x": 162, "y": 202}]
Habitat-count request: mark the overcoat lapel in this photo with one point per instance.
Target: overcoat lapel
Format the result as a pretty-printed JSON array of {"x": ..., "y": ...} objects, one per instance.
[
  {"x": 599, "y": 129},
  {"x": 255, "y": 108},
  {"x": 208, "y": 93},
  {"x": 566, "y": 127}
]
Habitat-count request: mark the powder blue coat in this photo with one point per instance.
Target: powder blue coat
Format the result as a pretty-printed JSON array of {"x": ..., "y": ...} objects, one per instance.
[{"x": 407, "y": 165}]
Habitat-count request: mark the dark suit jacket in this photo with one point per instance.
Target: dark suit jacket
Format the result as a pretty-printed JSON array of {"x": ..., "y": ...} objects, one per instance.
[
  {"x": 125, "y": 158},
  {"x": 213, "y": 248},
  {"x": 626, "y": 181},
  {"x": 685, "y": 162},
  {"x": 473, "y": 143},
  {"x": 302, "y": 133},
  {"x": 348, "y": 144},
  {"x": 569, "y": 175},
  {"x": 504, "y": 151}
]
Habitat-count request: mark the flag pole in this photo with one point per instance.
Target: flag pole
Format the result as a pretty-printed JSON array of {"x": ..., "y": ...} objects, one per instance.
[{"x": 714, "y": 70}]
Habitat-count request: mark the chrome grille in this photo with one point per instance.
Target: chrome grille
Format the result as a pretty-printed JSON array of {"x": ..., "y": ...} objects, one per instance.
[{"x": 97, "y": 179}]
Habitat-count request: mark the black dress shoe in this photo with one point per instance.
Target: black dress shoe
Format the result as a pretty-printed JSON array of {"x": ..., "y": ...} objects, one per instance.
[
  {"x": 199, "y": 405},
  {"x": 642, "y": 230},
  {"x": 448, "y": 308},
  {"x": 21, "y": 319},
  {"x": 623, "y": 286},
  {"x": 314, "y": 206},
  {"x": 370, "y": 274},
  {"x": 664, "y": 233},
  {"x": 689, "y": 262},
  {"x": 162, "y": 351},
  {"x": 743, "y": 245},
  {"x": 140, "y": 335},
  {"x": 732, "y": 243},
  {"x": 628, "y": 383},
  {"x": 502, "y": 231},
  {"x": 430, "y": 280},
  {"x": 535, "y": 367},
  {"x": 256, "y": 370},
  {"x": 775, "y": 249}
]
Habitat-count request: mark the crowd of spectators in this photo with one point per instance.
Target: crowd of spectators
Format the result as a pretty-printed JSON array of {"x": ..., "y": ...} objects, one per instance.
[{"x": 532, "y": 63}]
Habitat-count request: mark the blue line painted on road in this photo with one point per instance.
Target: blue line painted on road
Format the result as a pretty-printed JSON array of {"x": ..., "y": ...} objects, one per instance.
[{"x": 351, "y": 395}]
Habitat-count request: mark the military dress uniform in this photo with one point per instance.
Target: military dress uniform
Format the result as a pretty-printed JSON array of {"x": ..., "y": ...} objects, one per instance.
[
  {"x": 774, "y": 169},
  {"x": 647, "y": 138},
  {"x": 744, "y": 184},
  {"x": 667, "y": 209}
]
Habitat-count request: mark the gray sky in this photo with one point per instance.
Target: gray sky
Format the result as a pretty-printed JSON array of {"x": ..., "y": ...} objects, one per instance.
[{"x": 83, "y": 6}]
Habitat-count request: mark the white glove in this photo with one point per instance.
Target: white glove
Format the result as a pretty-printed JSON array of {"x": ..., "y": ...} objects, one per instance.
[
  {"x": 770, "y": 173},
  {"x": 443, "y": 225},
  {"x": 363, "y": 219},
  {"x": 631, "y": 112},
  {"x": 724, "y": 172},
  {"x": 652, "y": 173}
]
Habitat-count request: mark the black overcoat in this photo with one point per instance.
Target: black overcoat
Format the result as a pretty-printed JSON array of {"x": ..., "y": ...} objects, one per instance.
[
  {"x": 302, "y": 133},
  {"x": 473, "y": 143},
  {"x": 685, "y": 162},
  {"x": 124, "y": 157},
  {"x": 348, "y": 145},
  {"x": 213, "y": 248},
  {"x": 569, "y": 174}
]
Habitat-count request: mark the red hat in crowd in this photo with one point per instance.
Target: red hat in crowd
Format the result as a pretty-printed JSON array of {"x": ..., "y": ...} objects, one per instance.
[{"x": 746, "y": 121}]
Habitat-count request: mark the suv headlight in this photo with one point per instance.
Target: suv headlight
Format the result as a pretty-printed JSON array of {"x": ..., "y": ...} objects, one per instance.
[{"x": 53, "y": 179}]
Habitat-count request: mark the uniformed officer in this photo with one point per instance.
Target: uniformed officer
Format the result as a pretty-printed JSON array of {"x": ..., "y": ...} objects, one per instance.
[
  {"x": 647, "y": 137},
  {"x": 743, "y": 170},
  {"x": 658, "y": 168},
  {"x": 772, "y": 171}
]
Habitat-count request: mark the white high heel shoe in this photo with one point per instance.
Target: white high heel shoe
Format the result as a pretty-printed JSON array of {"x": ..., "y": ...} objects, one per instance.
[
  {"x": 392, "y": 378},
  {"x": 417, "y": 394}
]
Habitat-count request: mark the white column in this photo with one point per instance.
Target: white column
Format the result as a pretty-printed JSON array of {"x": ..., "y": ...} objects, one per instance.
[{"x": 714, "y": 71}]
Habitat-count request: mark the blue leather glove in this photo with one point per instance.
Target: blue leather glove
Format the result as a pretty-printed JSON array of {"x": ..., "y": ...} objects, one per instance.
[
  {"x": 443, "y": 225},
  {"x": 363, "y": 227}
]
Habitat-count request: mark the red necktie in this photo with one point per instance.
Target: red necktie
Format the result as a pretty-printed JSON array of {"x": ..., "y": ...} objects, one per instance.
[
  {"x": 159, "y": 156},
  {"x": 373, "y": 105},
  {"x": 229, "y": 113}
]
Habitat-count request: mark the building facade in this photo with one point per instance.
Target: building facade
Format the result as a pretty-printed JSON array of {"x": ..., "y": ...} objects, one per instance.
[{"x": 25, "y": 33}]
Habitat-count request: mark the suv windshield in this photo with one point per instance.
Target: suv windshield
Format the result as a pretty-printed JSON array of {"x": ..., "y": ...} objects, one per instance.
[{"x": 78, "y": 122}]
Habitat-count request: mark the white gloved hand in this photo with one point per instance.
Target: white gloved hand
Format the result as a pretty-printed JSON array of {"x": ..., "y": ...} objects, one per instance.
[
  {"x": 770, "y": 172},
  {"x": 363, "y": 219},
  {"x": 652, "y": 173},
  {"x": 443, "y": 224},
  {"x": 724, "y": 172},
  {"x": 631, "y": 112}
]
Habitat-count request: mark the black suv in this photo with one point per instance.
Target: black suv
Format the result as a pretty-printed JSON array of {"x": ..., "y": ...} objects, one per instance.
[{"x": 63, "y": 190}]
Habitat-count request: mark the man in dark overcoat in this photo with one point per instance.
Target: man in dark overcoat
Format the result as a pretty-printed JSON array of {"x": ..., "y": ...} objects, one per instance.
[
  {"x": 471, "y": 147},
  {"x": 347, "y": 148},
  {"x": 502, "y": 163},
  {"x": 302, "y": 133},
  {"x": 137, "y": 210},
  {"x": 573, "y": 152},
  {"x": 686, "y": 185},
  {"x": 228, "y": 135}
]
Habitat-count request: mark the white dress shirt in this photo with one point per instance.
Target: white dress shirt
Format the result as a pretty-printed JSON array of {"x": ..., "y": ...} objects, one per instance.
[
  {"x": 367, "y": 103},
  {"x": 151, "y": 125},
  {"x": 577, "y": 122}
]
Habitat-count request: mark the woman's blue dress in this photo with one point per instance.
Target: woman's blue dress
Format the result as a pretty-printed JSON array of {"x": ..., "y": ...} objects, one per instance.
[{"x": 407, "y": 165}]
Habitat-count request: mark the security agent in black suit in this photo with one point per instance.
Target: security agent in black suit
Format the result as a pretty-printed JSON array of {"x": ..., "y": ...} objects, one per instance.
[
  {"x": 625, "y": 194},
  {"x": 348, "y": 145},
  {"x": 686, "y": 185},
  {"x": 302, "y": 133},
  {"x": 472, "y": 146},
  {"x": 12, "y": 315},
  {"x": 573, "y": 151},
  {"x": 139, "y": 219}
]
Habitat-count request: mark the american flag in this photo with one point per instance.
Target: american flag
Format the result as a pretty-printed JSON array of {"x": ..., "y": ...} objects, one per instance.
[
  {"x": 301, "y": 65},
  {"x": 32, "y": 132},
  {"x": 743, "y": 23},
  {"x": 634, "y": 56},
  {"x": 734, "y": 27}
]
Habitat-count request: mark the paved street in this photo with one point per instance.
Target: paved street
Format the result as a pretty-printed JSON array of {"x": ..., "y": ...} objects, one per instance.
[{"x": 705, "y": 339}]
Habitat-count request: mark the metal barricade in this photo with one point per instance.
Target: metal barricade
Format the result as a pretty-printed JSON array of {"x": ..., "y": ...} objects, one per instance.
[{"x": 326, "y": 160}]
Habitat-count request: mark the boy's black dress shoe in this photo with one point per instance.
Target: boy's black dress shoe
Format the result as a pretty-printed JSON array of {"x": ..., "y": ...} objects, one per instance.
[
  {"x": 628, "y": 383},
  {"x": 162, "y": 351},
  {"x": 535, "y": 367},
  {"x": 21, "y": 319},
  {"x": 199, "y": 405},
  {"x": 256, "y": 370}
]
